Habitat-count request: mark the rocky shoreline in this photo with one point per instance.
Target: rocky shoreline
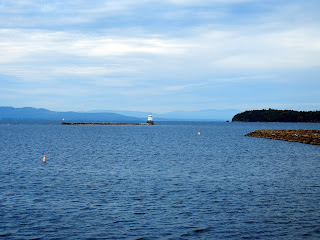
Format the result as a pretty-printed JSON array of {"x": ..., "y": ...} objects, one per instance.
[{"x": 302, "y": 136}]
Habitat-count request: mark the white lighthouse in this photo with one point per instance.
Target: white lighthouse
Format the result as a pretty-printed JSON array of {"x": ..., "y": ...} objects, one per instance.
[{"x": 150, "y": 120}]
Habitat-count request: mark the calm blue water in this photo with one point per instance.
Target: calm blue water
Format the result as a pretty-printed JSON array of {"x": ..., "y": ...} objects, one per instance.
[{"x": 157, "y": 182}]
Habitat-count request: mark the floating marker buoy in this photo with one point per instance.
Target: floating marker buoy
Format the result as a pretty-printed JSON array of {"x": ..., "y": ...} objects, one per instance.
[
  {"x": 199, "y": 133},
  {"x": 44, "y": 158}
]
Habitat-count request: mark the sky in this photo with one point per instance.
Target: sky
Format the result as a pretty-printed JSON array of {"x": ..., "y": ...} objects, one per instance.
[{"x": 160, "y": 56}]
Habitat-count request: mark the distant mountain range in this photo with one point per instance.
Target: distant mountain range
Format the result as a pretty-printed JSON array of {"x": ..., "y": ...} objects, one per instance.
[
  {"x": 207, "y": 114},
  {"x": 201, "y": 115},
  {"x": 29, "y": 113}
]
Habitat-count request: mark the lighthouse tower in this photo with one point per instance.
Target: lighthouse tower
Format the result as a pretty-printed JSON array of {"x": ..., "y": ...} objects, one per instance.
[{"x": 150, "y": 120}]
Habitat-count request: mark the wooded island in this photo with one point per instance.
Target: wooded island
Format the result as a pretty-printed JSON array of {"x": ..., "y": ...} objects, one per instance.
[{"x": 273, "y": 115}]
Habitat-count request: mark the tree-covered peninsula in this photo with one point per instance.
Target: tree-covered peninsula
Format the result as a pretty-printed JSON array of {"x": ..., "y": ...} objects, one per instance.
[{"x": 273, "y": 115}]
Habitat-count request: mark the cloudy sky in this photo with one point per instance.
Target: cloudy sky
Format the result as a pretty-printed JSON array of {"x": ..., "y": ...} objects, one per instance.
[{"x": 160, "y": 56}]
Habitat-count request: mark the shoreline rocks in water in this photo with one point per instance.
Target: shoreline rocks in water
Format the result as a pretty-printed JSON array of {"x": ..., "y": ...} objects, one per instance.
[{"x": 302, "y": 136}]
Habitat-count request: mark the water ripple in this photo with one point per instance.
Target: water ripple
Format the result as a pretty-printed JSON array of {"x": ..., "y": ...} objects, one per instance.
[{"x": 159, "y": 182}]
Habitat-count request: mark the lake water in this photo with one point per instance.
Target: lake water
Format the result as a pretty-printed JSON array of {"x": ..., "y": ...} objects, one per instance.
[{"x": 157, "y": 182}]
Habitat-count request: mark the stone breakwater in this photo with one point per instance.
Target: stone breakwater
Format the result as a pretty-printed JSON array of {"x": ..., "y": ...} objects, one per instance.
[
  {"x": 302, "y": 136},
  {"x": 83, "y": 123}
]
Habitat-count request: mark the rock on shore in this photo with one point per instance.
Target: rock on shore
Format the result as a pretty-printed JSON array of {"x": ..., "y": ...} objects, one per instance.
[{"x": 302, "y": 136}]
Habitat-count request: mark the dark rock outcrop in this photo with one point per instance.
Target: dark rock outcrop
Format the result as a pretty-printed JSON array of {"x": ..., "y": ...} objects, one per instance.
[{"x": 302, "y": 136}]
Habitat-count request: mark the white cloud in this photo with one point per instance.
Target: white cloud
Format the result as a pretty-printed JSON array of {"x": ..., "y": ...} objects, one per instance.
[
  {"x": 21, "y": 43},
  {"x": 247, "y": 78},
  {"x": 285, "y": 50},
  {"x": 203, "y": 49},
  {"x": 90, "y": 71},
  {"x": 42, "y": 54},
  {"x": 250, "y": 49},
  {"x": 112, "y": 82},
  {"x": 138, "y": 49},
  {"x": 207, "y": 2},
  {"x": 101, "y": 46}
]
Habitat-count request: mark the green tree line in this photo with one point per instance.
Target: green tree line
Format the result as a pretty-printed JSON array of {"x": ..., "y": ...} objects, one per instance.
[{"x": 273, "y": 115}]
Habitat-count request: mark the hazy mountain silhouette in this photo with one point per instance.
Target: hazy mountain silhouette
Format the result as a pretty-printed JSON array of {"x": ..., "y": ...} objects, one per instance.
[
  {"x": 29, "y": 113},
  {"x": 208, "y": 114}
]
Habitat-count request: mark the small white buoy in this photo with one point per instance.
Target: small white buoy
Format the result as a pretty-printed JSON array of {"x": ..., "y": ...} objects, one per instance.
[
  {"x": 44, "y": 158},
  {"x": 198, "y": 133}
]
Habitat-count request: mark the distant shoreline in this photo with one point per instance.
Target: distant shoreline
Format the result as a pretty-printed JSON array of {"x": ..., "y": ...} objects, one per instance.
[{"x": 273, "y": 115}]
